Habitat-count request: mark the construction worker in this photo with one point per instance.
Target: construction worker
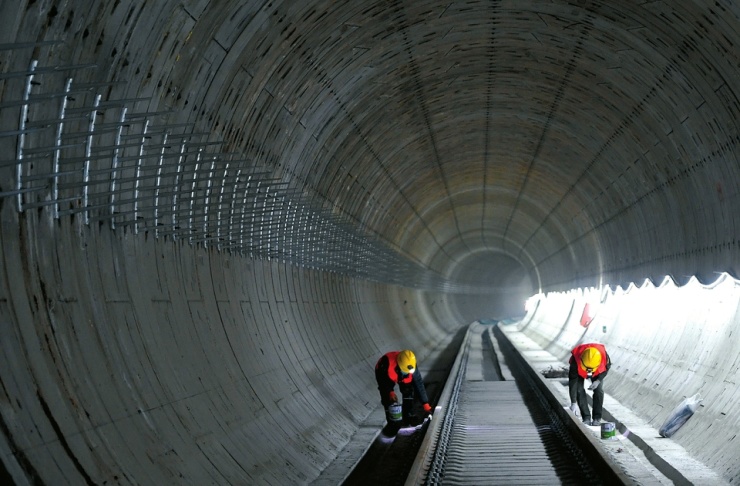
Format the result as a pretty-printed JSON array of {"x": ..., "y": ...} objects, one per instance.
[
  {"x": 400, "y": 367},
  {"x": 588, "y": 361}
]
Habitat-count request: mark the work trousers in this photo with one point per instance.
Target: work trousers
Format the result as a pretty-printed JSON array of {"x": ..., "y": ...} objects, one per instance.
[{"x": 598, "y": 400}]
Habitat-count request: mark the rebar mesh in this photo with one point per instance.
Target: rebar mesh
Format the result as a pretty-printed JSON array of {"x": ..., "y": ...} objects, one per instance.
[{"x": 81, "y": 154}]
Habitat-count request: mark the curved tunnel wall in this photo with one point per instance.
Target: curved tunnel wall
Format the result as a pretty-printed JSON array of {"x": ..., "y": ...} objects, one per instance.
[
  {"x": 138, "y": 360},
  {"x": 372, "y": 146},
  {"x": 666, "y": 343}
]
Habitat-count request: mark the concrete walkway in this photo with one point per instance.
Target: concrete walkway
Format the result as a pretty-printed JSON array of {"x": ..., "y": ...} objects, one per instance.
[{"x": 637, "y": 448}]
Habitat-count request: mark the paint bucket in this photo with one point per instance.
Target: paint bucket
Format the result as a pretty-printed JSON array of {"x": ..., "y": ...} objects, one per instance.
[
  {"x": 608, "y": 430},
  {"x": 395, "y": 412}
]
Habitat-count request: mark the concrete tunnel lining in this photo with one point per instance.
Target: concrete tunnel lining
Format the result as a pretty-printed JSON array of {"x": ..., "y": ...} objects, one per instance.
[{"x": 266, "y": 196}]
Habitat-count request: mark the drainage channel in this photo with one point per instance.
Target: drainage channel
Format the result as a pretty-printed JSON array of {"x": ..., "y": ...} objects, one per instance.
[{"x": 499, "y": 430}]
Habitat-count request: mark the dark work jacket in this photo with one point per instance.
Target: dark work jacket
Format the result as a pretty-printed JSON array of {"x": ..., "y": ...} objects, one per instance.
[
  {"x": 578, "y": 371},
  {"x": 388, "y": 374}
]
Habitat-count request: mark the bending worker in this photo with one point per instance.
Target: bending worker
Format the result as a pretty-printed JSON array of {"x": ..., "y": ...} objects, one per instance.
[
  {"x": 400, "y": 367},
  {"x": 588, "y": 361}
]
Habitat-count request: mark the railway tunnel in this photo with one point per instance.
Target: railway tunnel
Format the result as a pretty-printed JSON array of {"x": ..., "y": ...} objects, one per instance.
[{"x": 217, "y": 215}]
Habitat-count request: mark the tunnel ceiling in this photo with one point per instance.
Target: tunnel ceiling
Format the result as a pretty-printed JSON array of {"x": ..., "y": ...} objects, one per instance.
[{"x": 593, "y": 142}]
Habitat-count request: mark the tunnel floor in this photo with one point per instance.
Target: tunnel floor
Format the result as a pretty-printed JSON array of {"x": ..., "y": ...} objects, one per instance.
[{"x": 501, "y": 431}]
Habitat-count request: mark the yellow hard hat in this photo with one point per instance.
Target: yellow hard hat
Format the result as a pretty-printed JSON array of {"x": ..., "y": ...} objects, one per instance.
[
  {"x": 406, "y": 361},
  {"x": 591, "y": 358}
]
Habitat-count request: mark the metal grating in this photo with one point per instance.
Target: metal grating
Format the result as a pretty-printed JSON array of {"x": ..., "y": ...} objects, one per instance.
[
  {"x": 497, "y": 431},
  {"x": 494, "y": 439}
]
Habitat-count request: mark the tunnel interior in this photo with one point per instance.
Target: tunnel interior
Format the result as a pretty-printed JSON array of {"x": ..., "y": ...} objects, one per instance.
[
  {"x": 216, "y": 216},
  {"x": 503, "y": 287}
]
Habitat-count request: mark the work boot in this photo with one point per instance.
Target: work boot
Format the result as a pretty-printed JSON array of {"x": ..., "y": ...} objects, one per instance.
[{"x": 391, "y": 429}]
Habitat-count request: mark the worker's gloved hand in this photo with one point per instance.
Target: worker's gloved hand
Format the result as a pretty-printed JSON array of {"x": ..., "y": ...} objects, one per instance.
[
  {"x": 594, "y": 385},
  {"x": 574, "y": 408},
  {"x": 427, "y": 409},
  {"x": 394, "y": 398}
]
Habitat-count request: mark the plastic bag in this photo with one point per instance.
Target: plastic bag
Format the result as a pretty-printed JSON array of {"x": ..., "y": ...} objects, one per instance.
[{"x": 679, "y": 416}]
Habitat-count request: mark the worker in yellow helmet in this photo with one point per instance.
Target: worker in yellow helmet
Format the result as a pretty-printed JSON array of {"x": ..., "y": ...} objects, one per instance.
[
  {"x": 588, "y": 361},
  {"x": 400, "y": 367}
]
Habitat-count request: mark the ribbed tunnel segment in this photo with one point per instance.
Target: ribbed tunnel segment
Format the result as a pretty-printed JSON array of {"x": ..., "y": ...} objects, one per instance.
[{"x": 216, "y": 216}]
